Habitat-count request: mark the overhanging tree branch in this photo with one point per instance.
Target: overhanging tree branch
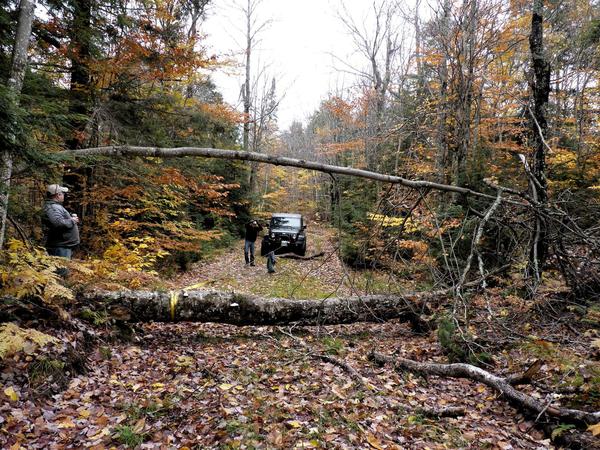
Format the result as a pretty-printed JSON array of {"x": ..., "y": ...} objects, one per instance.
[{"x": 177, "y": 152}]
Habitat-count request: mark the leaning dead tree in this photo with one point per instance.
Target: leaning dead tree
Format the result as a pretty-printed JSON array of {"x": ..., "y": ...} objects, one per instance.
[
  {"x": 178, "y": 152},
  {"x": 562, "y": 229}
]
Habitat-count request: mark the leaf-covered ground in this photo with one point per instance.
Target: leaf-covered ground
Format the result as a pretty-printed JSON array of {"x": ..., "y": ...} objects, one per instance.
[
  {"x": 216, "y": 386},
  {"x": 219, "y": 386}
]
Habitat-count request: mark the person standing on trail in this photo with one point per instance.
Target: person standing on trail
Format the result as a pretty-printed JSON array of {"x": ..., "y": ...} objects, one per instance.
[
  {"x": 60, "y": 227},
  {"x": 271, "y": 262},
  {"x": 252, "y": 230}
]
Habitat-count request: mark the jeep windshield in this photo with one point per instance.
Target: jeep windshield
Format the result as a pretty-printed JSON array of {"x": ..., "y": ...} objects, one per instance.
[{"x": 285, "y": 222}]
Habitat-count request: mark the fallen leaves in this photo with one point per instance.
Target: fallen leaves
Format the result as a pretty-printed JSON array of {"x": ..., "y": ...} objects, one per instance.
[
  {"x": 11, "y": 394},
  {"x": 595, "y": 429},
  {"x": 219, "y": 386}
]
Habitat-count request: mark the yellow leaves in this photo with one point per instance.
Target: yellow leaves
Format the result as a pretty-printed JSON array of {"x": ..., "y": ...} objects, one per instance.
[
  {"x": 11, "y": 394},
  {"x": 293, "y": 424},
  {"x": 562, "y": 157},
  {"x": 388, "y": 221},
  {"x": 100, "y": 434},
  {"x": 66, "y": 422},
  {"x": 595, "y": 429},
  {"x": 31, "y": 273},
  {"x": 185, "y": 361},
  {"x": 374, "y": 442},
  {"x": 139, "y": 425},
  {"x": 225, "y": 386},
  {"x": 14, "y": 339}
]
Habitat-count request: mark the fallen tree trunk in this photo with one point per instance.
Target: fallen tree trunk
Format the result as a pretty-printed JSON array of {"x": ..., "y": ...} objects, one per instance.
[
  {"x": 243, "y": 309},
  {"x": 500, "y": 384}
]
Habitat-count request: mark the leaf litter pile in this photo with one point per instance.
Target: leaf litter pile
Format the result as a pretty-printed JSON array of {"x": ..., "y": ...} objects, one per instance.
[
  {"x": 218, "y": 386},
  {"x": 191, "y": 385}
]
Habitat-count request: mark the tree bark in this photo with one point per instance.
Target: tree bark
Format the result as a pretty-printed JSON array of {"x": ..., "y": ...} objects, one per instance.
[
  {"x": 539, "y": 127},
  {"x": 15, "y": 84},
  {"x": 243, "y": 309},
  {"x": 79, "y": 55},
  {"x": 246, "y": 88},
  {"x": 442, "y": 103}
]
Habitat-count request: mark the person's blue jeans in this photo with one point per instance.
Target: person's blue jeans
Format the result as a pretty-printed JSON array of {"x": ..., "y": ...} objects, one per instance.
[
  {"x": 249, "y": 252},
  {"x": 64, "y": 252}
]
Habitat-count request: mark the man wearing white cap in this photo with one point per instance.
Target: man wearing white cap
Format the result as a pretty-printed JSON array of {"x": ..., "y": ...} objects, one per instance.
[{"x": 62, "y": 233}]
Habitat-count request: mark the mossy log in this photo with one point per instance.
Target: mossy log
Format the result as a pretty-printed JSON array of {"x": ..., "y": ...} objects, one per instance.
[{"x": 243, "y": 309}]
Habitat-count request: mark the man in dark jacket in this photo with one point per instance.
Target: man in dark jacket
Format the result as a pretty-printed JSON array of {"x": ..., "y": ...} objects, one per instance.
[
  {"x": 252, "y": 230},
  {"x": 62, "y": 233}
]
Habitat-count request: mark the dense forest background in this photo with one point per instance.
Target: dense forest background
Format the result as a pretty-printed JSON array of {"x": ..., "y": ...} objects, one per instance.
[
  {"x": 472, "y": 134},
  {"x": 453, "y": 101}
]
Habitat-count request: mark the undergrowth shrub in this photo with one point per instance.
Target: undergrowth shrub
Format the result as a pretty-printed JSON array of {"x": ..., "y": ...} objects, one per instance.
[
  {"x": 458, "y": 347},
  {"x": 32, "y": 274}
]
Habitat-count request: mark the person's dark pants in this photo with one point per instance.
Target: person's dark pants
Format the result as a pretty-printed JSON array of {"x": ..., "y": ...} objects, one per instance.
[
  {"x": 271, "y": 262},
  {"x": 63, "y": 252},
  {"x": 249, "y": 252}
]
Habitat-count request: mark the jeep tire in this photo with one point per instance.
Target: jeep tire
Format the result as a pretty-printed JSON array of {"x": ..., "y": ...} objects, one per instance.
[{"x": 265, "y": 248}]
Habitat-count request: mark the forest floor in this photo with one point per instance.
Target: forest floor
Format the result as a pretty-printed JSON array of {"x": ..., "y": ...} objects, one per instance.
[{"x": 210, "y": 385}]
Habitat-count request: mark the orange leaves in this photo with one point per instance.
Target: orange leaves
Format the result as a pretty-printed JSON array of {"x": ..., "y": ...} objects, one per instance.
[
  {"x": 347, "y": 146},
  {"x": 221, "y": 112},
  {"x": 340, "y": 109}
]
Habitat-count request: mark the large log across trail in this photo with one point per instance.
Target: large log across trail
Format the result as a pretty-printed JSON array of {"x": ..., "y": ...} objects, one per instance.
[{"x": 243, "y": 309}]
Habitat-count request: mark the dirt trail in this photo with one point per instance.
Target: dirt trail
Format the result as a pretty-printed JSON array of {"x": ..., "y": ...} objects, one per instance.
[{"x": 317, "y": 278}]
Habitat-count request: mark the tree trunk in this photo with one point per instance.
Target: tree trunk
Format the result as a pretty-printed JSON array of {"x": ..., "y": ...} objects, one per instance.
[
  {"x": 539, "y": 128},
  {"x": 442, "y": 103},
  {"x": 464, "y": 94},
  {"x": 246, "y": 87},
  {"x": 15, "y": 84},
  {"x": 243, "y": 309},
  {"x": 79, "y": 55}
]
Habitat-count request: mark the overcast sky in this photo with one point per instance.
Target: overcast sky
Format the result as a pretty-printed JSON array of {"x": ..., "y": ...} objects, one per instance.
[{"x": 296, "y": 48}]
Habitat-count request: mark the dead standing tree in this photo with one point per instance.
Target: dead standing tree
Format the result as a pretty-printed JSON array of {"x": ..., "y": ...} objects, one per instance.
[
  {"x": 540, "y": 87},
  {"x": 258, "y": 109}
]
